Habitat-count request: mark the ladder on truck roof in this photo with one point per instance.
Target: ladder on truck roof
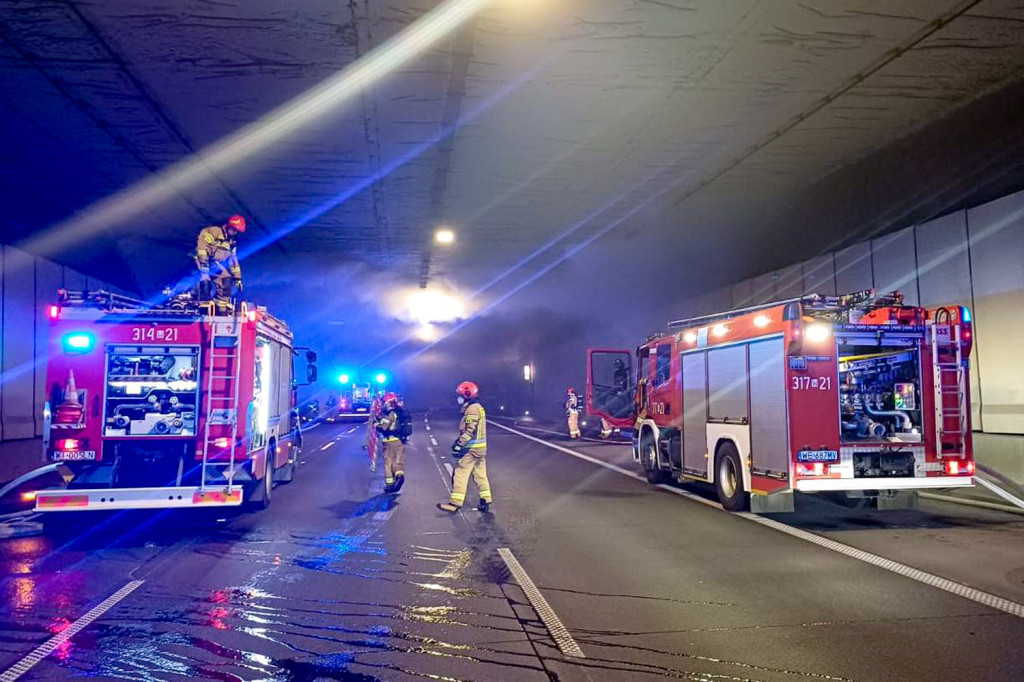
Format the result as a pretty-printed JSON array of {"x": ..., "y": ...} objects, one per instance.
[
  {"x": 222, "y": 390},
  {"x": 950, "y": 381}
]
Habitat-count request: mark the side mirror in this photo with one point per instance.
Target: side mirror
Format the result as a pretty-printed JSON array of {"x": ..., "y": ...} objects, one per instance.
[
  {"x": 311, "y": 356},
  {"x": 311, "y": 372}
]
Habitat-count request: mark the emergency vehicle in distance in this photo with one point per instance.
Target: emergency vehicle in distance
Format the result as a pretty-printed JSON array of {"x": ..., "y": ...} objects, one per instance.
[
  {"x": 153, "y": 407},
  {"x": 857, "y": 395}
]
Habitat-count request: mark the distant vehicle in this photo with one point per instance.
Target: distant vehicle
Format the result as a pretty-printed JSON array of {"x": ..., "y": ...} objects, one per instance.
[
  {"x": 345, "y": 408},
  {"x": 362, "y": 399},
  {"x": 859, "y": 396},
  {"x": 309, "y": 412},
  {"x": 167, "y": 406}
]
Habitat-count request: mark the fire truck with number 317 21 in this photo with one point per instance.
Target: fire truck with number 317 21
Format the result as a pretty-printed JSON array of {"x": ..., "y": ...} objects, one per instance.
[
  {"x": 859, "y": 396},
  {"x": 167, "y": 406}
]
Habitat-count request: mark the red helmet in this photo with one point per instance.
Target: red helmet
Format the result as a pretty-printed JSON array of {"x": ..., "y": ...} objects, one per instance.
[
  {"x": 390, "y": 398},
  {"x": 570, "y": 390},
  {"x": 237, "y": 222},
  {"x": 468, "y": 390}
]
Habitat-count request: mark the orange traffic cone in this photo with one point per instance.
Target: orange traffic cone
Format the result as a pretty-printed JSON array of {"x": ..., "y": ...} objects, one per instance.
[{"x": 70, "y": 411}]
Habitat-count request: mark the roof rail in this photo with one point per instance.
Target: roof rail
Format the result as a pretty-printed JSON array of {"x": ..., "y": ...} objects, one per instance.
[
  {"x": 102, "y": 299},
  {"x": 811, "y": 302}
]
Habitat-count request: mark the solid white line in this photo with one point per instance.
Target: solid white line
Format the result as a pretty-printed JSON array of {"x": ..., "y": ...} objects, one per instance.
[
  {"x": 566, "y": 644},
  {"x": 945, "y": 584},
  {"x": 51, "y": 645}
]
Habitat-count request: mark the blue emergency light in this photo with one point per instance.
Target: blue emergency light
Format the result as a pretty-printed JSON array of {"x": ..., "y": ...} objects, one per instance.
[
  {"x": 382, "y": 378},
  {"x": 343, "y": 378},
  {"x": 78, "y": 342}
]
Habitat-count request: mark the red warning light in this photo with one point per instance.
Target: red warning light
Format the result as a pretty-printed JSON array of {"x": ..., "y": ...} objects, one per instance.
[{"x": 250, "y": 315}]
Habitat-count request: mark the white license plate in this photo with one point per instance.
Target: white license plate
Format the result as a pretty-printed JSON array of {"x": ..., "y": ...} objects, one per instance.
[
  {"x": 75, "y": 456},
  {"x": 817, "y": 456}
]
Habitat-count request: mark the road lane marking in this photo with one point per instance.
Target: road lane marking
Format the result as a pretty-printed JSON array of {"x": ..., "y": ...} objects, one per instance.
[
  {"x": 566, "y": 644},
  {"x": 433, "y": 441},
  {"x": 951, "y": 586},
  {"x": 51, "y": 645},
  {"x": 352, "y": 429},
  {"x": 327, "y": 446},
  {"x": 451, "y": 470}
]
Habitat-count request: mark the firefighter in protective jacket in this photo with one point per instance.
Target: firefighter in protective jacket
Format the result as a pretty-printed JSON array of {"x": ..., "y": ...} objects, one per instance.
[
  {"x": 394, "y": 447},
  {"x": 572, "y": 412},
  {"x": 217, "y": 260},
  {"x": 470, "y": 449}
]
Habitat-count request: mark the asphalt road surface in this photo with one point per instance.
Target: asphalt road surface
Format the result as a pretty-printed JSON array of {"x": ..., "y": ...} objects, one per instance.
[{"x": 338, "y": 582}]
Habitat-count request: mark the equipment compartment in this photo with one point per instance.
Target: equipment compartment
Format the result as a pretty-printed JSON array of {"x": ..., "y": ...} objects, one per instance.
[
  {"x": 151, "y": 391},
  {"x": 880, "y": 394}
]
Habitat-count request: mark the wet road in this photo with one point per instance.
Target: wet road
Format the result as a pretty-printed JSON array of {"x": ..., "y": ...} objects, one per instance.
[{"x": 337, "y": 581}]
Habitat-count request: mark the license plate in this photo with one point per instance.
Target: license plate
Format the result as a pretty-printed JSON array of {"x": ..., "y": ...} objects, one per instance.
[
  {"x": 75, "y": 456},
  {"x": 817, "y": 456}
]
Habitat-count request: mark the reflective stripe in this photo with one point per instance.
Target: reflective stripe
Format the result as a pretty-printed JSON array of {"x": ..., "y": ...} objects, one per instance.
[
  {"x": 477, "y": 443},
  {"x": 399, "y": 473},
  {"x": 458, "y": 497},
  {"x": 391, "y": 439},
  {"x": 389, "y": 481}
]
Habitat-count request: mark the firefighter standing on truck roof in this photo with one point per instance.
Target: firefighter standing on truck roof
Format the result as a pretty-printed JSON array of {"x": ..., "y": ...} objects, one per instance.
[
  {"x": 572, "y": 411},
  {"x": 470, "y": 449},
  {"x": 394, "y": 447},
  {"x": 217, "y": 260}
]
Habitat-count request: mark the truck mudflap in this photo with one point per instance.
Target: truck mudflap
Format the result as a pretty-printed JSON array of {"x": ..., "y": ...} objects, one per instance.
[
  {"x": 893, "y": 483},
  {"x": 137, "y": 498}
]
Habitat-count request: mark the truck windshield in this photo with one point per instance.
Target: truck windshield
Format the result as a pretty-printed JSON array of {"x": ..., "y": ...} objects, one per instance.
[{"x": 151, "y": 391}]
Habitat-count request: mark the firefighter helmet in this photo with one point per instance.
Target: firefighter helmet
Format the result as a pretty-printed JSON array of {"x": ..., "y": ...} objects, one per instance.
[
  {"x": 570, "y": 390},
  {"x": 237, "y": 223},
  {"x": 468, "y": 390},
  {"x": 390, "y": 398}
]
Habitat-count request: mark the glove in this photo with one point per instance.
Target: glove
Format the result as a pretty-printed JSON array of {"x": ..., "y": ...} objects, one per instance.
[{"x": 457, "y": 450}]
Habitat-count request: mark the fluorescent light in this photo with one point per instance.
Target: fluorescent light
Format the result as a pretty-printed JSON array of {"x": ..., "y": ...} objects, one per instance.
[{"x": 444, "y": 236}]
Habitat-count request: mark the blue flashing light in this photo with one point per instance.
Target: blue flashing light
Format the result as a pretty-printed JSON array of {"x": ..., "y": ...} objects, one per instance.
[
  {"x": 965, "y": 314},
  {"x": 382, "y": 378},
  {"x": 344, "y": 378},
  {"x": 78, "y": 342}
]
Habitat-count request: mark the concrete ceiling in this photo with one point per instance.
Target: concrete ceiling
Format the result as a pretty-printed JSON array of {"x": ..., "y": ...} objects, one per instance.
[{"x": 535, "y": 124}]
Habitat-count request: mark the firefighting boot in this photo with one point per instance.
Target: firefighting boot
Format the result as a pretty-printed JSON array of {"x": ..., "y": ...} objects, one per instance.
[
  {"x": 399, "y": 481},
  {"x": 484, "y": 506},
  {"x": 447, "y": 507}
]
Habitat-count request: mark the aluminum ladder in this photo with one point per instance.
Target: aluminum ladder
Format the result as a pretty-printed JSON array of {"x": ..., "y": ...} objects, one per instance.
[
  {"x": 950, "y": 381},
  {"x": 222, "y": 407}
]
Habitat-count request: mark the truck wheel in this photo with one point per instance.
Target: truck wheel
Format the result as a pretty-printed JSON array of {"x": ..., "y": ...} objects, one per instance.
[
  {"x": 729, "y": 479},
  {"x": 266, "y": 489},
  {"x": 649, "y": 459}
]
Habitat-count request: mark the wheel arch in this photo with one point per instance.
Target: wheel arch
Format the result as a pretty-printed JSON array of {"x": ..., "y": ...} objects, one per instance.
[{"x": 744, "y": 459}]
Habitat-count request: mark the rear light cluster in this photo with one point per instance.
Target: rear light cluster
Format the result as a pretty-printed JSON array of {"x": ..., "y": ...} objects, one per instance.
[
  {"x": 812, "y": 469},
  {"x": 70, "y": 444},
  {"x": 958, "y": 467}
]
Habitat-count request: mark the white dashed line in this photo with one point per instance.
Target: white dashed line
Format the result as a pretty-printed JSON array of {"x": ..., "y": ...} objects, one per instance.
[
  {"x": 566, "y": 644},
  {"x": 449, "y": 468},
  {"x": 433, "y": 441},
  {"x": 327, "y": 445},
  {"x": 51, "y": 645},
  {"x": 951, "y": 586}
]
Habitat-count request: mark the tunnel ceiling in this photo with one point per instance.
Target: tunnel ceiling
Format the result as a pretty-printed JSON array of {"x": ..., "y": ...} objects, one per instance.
[{"x": 558, "y": 111}]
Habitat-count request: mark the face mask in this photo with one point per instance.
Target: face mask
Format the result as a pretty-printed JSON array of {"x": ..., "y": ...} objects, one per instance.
[{"x": 462, "y": 401}]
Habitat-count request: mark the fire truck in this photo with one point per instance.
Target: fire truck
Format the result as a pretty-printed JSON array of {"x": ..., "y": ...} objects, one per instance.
[
  {"x": 167, "y": 406},
  {"x": 859, "y": 396}
]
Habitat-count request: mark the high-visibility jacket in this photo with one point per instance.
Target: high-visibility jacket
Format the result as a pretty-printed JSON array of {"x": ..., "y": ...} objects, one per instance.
[
  {"x": 216, "y": 248},
  {"x": 572, "y": 403},
  {"x": 473, "y": 427},
  {"x": 388, "y": 425}
]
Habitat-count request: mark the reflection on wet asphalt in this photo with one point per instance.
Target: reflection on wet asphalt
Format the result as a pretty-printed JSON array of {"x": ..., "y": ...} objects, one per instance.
[{"x": 337, "y": 581}]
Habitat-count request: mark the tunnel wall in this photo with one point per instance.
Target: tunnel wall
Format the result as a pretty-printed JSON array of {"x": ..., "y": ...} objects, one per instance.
[
  {"x": 28, "y": 285},
  {"x": 972, "y": 257}
]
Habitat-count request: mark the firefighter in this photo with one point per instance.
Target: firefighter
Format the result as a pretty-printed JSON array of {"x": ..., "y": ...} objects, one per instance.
[
  {"x": 470, "y": 449},
  {"x": 572, "y": 412},
  {"x": 394, "y": 445},
  {"x": 217, "y": 260}
]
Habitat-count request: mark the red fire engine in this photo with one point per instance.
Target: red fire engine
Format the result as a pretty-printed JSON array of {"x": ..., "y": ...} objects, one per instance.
[
  {"x": 167, "y": 406},
  {"x": 856, "y": 395}
]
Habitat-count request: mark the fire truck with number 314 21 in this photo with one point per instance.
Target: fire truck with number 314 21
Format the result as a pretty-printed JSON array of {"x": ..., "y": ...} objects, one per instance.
[
  {"x": 167, "y": 406},
  {"x": 859, "y": 396}
]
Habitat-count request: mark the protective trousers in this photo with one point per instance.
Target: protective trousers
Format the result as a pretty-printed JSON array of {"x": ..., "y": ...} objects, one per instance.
[
  {"x": 222, "y": 285},
  {"x": 473, "y": 463},
  {"x": 574, "y": 424},
  {"x": 394, "y": 460}
]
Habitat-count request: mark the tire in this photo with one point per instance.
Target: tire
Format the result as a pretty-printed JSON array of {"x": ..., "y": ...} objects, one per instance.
[
  {"x": 266, "y": 487},
  {"x": 729, "y": 479},
  {"x": 649, "y": 460},
  {"x": 287, "y": 474}
]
